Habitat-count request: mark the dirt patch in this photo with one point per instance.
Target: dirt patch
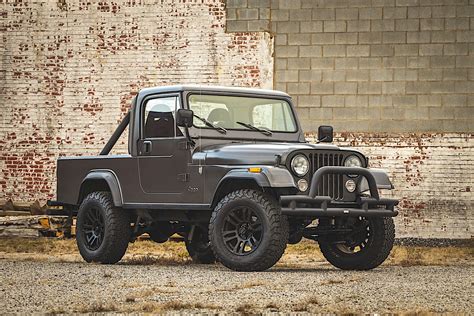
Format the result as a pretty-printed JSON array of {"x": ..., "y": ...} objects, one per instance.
[{"x": 146, "y": 252}]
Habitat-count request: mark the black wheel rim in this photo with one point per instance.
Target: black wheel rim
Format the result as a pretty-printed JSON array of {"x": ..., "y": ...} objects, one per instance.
[
  {"x": 242, "y": 231},
  {"x": 93, "y": 228},
  {"x": 360, "y": 237}
]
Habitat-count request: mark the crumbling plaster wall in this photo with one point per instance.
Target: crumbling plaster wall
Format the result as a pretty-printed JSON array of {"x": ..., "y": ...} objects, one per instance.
[{"x": 69, "y": 70}]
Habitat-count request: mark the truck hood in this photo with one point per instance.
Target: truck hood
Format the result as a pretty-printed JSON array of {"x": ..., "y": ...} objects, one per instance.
[{"x": 254, "y": 153}]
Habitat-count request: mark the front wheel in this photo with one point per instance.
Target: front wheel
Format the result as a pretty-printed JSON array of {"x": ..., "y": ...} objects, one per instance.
[
  {"x": 103, "y": 231},
  {"x": 247, "y": 231},
  {"x": 365, "y": 248}
]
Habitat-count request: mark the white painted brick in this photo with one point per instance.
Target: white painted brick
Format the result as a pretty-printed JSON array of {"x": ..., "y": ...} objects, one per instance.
[{"x": 79, "y": 70}]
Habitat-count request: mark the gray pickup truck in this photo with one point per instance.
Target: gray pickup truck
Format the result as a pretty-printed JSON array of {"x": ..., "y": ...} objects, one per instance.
[{"x": 230, "y": 170}]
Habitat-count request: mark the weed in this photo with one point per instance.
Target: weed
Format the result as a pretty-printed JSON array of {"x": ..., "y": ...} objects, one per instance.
[
  {"x": 332, "y": 281},
  {"x": 130, "y": 299},
  {"x": 245, "y": 309},
  {"x": 313, "y": 301},
  {"x": 149, "y": 307},
  {"x": 96, "y": 307},
  {"x": 154, "y": 259},
  {"x": 251, "y": 284},
  {"x": 177, "y": 306},
  {"x": 272, "y": 306},
  {"x": 304, "y": 305},
  {"x": 300, "y": 307},
  {"x": 57, "y": 311}
]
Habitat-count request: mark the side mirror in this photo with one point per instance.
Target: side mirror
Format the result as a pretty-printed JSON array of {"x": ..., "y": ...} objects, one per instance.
[
  {"x": 184, "y": 118},
  {"x": 325, "y": 134}
]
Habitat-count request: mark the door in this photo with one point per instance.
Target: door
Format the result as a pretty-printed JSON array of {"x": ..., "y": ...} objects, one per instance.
[{"x": 162, "y": 153}]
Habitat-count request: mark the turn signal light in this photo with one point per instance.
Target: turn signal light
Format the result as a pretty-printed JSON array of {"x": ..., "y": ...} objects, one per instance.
[{"x": 255, "y": 170}]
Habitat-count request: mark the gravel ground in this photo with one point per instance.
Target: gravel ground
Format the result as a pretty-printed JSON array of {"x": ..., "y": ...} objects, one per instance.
[{"x": 58, "y": 287}]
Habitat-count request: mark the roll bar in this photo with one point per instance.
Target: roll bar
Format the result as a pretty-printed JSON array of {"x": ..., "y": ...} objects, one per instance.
[{"x": 116, "y": 135}]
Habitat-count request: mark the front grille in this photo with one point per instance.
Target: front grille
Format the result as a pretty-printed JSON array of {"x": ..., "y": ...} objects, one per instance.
[{"x": 331, "y": 184}]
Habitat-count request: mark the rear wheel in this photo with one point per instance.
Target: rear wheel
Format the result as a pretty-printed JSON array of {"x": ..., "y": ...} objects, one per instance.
[
  {"x": 366, "y": 247},
  {"x": 103, "y": 231},
  {"x": 247, "y": 231},
  {"x": 199, "y": 247}
]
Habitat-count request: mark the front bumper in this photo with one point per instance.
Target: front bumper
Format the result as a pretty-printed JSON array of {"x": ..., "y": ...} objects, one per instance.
[{"x": 312, "y": 205}]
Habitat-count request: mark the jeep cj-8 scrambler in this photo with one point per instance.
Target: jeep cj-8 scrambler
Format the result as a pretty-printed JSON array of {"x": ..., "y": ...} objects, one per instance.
[{"x": 230, "y": 170}]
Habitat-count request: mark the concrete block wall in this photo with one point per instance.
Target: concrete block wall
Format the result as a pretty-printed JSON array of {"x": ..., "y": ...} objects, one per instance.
[
  {"x": 392, "y": 65},
  {"x": 396, "y": 80}
]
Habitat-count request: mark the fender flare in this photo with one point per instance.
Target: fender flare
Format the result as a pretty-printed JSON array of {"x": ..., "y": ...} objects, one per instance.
[
  {"x": 112, "y": 181},
  {"x": 269, "y": 176},
  {"x": 381, "y": 179}
]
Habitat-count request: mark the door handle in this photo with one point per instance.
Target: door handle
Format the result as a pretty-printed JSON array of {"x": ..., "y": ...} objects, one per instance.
[{"x": 147, "y": 147}]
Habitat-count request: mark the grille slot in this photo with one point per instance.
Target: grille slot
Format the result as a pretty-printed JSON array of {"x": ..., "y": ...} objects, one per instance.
[{"x": 331, "y": 184}]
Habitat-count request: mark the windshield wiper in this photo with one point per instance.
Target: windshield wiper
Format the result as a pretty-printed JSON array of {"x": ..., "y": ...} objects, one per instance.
[
  {"x": 258, "y": 129},
  {"x": 209, "y": 124}
]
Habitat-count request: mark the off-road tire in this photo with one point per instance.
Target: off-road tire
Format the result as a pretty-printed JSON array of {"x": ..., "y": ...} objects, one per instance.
[
  {"x": 117, "y": 229},
  {"x": 274, "y": 235},
  {"x": 199, "y": 248},
  {"x": 374, "y": 253}
]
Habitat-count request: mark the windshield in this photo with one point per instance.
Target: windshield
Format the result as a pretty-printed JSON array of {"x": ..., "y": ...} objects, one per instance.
[{"x": 231, "y": 112}]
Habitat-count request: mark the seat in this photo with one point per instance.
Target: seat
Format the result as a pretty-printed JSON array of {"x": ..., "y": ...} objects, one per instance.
[
  {"x": 220, "y": 117},
  {"x": 159, "y": 124}
]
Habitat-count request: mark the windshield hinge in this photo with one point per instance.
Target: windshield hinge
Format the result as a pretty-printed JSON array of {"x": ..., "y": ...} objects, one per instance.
[{"x": 186, "y": 145}]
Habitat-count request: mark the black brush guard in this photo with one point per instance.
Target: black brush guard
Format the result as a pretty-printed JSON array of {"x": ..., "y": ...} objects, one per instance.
[{"x": 312, "y": 205}]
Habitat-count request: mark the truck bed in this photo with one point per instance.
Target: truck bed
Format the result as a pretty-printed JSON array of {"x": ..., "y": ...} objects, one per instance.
[{"x": 72, "y": 170}]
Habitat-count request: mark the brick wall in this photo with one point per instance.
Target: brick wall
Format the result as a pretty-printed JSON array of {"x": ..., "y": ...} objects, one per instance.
[
  {"x": 433, "y": 177},
  {"x": 69, "y": 69},
  {"x": 393, "y": 77}
]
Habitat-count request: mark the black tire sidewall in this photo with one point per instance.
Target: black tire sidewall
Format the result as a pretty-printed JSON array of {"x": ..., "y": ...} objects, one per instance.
[
  {"x": 116, "y": 229},
  {"x": 219, "y": 223},
  {"x": 373, "y": 254},
  {"x": 268, "y": 251},
  {"x": 87, "y": 254}
]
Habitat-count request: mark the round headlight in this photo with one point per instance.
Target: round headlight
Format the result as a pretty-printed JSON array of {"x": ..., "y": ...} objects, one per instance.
[
  {"x": 352, "y": 161},
  {"x": 300, "y": 165}
]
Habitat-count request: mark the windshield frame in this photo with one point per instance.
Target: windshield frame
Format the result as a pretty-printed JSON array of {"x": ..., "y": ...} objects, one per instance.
[{"x": 292, "y": 111}]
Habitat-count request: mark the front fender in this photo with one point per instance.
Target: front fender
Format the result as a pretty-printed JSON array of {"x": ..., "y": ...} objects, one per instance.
[
  {"x": 269, "y": 176},
  {"x": 381, "y": 179}
]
